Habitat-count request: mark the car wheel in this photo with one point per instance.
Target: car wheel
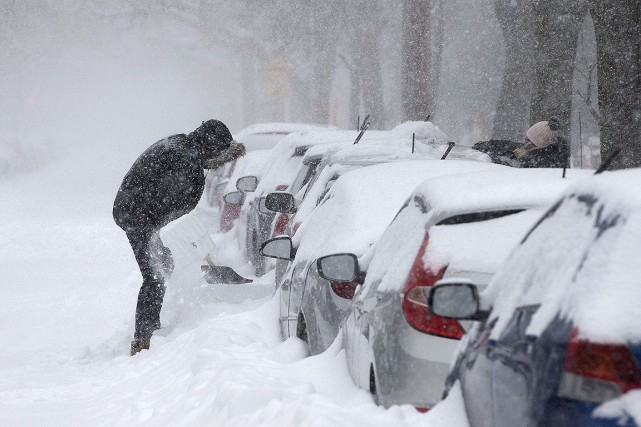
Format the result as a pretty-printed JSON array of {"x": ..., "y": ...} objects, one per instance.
[
  {"x": 301, "y": 329},
  {"x": 257, "y": 259},
  {"x": 372, "y": 383}
]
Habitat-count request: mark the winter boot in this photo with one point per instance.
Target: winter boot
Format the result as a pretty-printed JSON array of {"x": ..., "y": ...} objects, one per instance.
[{"x": 138, "y": 345}]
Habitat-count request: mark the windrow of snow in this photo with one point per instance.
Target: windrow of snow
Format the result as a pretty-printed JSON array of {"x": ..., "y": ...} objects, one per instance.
[{"x": 589, "y": 247}]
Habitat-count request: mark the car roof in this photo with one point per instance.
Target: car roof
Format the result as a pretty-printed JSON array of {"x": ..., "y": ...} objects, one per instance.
[
  {"x": 281, "y": 128},
  {"x": 581, "y": 262},
  {"x": 364, "y": 201},
  {"x": 267, "y": 135}
]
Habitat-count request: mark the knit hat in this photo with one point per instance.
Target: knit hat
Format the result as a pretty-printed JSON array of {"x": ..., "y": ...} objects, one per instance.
[
  {"x": 543, "y": 133},
  {"x": 213, "y": 130}
]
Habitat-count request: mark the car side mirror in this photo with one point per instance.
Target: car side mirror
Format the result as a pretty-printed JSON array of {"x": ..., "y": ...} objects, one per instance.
[
  {"x": 247, "y": 184},
  {"x": 339, "y": 268},
  {"x": 234, "y": 198},
  {"x": 279, "y": 248},
  {"x": 220, "y": 187},
  {"x": 280, "y": 202},
  {"x": 455, "y": 299}
]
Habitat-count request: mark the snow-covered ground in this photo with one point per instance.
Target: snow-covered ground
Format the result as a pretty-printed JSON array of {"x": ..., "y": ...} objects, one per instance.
[{"x": 68, "y": 288}]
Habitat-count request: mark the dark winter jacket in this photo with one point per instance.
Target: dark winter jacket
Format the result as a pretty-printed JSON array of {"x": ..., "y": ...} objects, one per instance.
[
  {"x": 502, "y": 151},
  {"x": 165, "y": 182},
  {"x": 553, "y": 156}
]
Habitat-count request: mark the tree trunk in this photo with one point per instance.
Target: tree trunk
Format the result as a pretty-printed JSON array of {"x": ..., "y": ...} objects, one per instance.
[
  {"x": 512, "y": 109},
  {"x": 556, "y": 31},
  {"x": 617, "y": 26},
  {"x": 367, "y": 59},
  {"x": 323, "y": 51},
  {"x": 416, "y": 68}
]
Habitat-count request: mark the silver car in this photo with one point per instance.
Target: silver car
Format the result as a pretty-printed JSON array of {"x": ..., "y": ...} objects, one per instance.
[
  {"x": 351, "y": 218},
  {"x": 461, "y": 225}
]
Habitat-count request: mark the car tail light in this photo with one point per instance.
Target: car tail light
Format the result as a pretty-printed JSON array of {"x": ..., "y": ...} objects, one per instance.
[
  {"x": 282, "y": 187},
  {"x": 344, "y": 289},
  {"x": 597, "y": 372},
  {"x": 415, "y": 300},
  {"x": 281, "y": 223}
]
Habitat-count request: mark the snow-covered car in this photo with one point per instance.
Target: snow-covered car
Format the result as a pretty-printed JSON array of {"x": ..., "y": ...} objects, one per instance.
[
  {"x": 264, "y": 136},
  {"x": 351, "y": 217},
  {"x": 558, "y": 339},
  {"x": 239, "y": 183},
  {"x": 340, "y": 155},
  {"x": 462, "y": 225},
  {"x": 285, "y": 171}
]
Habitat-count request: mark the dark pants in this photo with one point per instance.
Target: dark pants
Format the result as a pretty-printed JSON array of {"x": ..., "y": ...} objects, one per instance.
[{"x": 156, "y": 265}]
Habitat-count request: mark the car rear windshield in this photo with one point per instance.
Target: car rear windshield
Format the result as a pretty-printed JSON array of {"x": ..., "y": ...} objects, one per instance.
[{"x": 478, "y": 217}]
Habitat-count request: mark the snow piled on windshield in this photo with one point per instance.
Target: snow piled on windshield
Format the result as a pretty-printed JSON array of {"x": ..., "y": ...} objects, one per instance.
[{"x": 478, "y": 247}]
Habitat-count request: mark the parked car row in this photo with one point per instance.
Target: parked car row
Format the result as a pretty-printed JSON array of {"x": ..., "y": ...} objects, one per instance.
[{"x": 456, "y": 273}]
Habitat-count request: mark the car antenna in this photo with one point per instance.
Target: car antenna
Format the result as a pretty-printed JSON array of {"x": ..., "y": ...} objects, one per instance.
[
  {"x": 363, "y": 129},
  {"x": 604, "y": 164},
  {"x": 413, "y": 139},
  {"x": 358, "y": 122},
  {"x": 450, "y": 145}
]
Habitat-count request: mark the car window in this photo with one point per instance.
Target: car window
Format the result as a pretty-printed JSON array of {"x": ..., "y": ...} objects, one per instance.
[
  {"x": 478, "y": 217},
  {"x": 298, "y": 182}
]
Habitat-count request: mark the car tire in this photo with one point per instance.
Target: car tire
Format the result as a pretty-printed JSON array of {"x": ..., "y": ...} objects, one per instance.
[
  {"x": 372, "y": 383},
  {"x": 301, "y": 329},
  {"x": 257, "y": 259}
]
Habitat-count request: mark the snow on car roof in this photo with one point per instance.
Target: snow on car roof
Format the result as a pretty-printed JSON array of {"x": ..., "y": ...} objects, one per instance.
[
  {"x": 363, "y": 202},
  {"x": 282, "y": 165},
  {"x": 506, "y": 187},
  {"x": 397, "y": 144},
  {"x": 267, "y": 135},
  {"x": 282, "y": 128},
  {"x": 252, "y": 163},
  {"x": 581, "y": 262}
]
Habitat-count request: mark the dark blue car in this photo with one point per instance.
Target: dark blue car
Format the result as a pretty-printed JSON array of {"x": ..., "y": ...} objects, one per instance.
[{"x": 558, "y": 338}]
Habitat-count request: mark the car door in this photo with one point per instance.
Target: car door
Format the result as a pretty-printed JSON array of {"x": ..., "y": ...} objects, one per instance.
[
  {"x": 291, "y": 296},
  {"x": 363, "y": 309},
  {"x": 526, "y": 369}
]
